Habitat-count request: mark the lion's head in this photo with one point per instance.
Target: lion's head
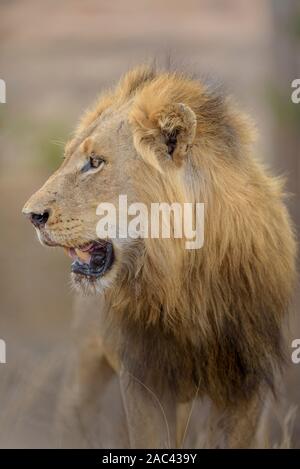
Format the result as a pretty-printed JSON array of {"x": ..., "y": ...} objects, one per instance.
[
  {"x": 111, "y": 154},
  {"x": 162, "y": 137}
]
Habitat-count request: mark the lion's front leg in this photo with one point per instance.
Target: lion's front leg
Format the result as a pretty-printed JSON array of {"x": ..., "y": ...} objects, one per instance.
[
  {"x": 151, "y": 418},
  {"x": 90, "y": 407},
  {"x": 234, "y": 428}
]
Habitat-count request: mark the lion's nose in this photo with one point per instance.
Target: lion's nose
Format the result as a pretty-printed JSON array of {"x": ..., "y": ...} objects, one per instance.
[{"x": 39, "y": 219}]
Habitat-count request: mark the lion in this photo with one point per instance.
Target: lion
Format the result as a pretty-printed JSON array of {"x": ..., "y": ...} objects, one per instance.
[{"x": 175, "y": 325}]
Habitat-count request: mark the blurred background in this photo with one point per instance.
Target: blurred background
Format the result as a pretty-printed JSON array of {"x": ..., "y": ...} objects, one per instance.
[{"x": 55, "y": 58}]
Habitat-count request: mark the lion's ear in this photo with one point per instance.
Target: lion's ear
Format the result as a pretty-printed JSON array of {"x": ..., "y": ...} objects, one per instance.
[
  {"x": 162, "y": 132},
  {"x": 177, "y": 124}
]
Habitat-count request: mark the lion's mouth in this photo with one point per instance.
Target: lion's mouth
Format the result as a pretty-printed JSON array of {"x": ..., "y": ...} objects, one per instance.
[{"x": 93, "y": 259}]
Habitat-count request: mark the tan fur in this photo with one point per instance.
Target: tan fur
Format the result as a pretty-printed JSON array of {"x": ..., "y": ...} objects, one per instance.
[{"x": 184, "y": 323}]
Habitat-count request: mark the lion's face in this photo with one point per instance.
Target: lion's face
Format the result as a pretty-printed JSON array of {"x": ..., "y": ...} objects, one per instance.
[
  {"x": 97, "y": 168},
  {"x": 134, "y": 144}
]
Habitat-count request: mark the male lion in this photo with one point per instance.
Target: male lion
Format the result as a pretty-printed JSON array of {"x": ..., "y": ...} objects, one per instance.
[{"x": 174, "y": 324}]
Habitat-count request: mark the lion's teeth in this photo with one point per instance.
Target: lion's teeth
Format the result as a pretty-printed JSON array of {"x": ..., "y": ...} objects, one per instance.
[{"x": 84, "y": 256}]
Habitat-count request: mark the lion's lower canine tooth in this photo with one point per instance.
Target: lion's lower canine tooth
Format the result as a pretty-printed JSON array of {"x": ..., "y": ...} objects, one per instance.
[{"x": 84, "y": 256}]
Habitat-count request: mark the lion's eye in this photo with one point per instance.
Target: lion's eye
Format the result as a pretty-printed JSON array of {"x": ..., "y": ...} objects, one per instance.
[{"x": 94, "y": 162}]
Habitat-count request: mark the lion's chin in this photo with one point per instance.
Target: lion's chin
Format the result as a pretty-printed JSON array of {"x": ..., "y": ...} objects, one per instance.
[{"x": 88, "y": 286}]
